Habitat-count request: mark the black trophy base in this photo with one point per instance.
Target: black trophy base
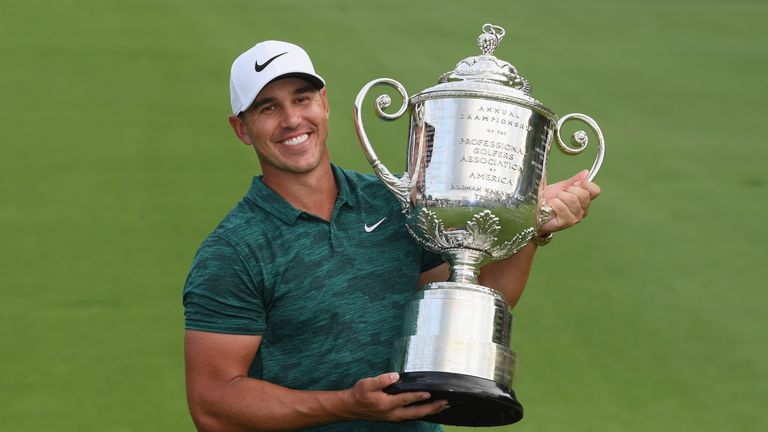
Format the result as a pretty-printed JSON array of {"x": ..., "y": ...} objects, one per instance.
[{"x": 472, "y": 401}]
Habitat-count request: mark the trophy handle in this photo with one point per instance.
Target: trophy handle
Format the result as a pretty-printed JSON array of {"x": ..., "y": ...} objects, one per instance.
[
  {"x": 580, "y": 141},
  {"x": 400, "y": 187}
]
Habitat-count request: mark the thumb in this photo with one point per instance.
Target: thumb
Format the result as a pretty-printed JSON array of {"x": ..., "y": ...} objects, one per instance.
[
  {"x": 382, "y": 381},
  {"x": 551, "y": 191},
  {"x": 579, "y": 177}
]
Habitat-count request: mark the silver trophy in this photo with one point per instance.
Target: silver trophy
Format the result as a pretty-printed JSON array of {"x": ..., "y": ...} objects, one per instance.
[{"x": 477, "y": 155}]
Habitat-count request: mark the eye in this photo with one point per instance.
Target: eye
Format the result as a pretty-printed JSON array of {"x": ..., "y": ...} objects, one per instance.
[
  {"x": 268, "y": 109},
  {"x": 302, "y": 99}
]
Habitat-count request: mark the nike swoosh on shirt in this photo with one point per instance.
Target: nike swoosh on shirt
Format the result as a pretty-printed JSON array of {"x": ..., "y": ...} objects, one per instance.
[
  {"x": 261, "y": 67},
  {"x": 374, "y": 226}
]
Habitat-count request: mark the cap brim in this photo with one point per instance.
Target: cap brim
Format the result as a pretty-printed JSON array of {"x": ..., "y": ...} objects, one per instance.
[
  {"x": 315, "y": 80},
  {"x": 312, "y": 79}
]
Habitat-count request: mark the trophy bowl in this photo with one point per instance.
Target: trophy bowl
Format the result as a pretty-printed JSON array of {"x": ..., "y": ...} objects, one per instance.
[{"x": 478, "y": 145}]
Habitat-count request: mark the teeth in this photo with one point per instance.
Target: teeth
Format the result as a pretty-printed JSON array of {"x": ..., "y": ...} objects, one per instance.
[{"x": 297, "y": 140}]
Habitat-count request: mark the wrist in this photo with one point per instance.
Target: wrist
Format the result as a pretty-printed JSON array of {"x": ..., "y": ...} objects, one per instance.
[
  {"x": 345, "y": 407},
  {"x": 542, "y": 239}
]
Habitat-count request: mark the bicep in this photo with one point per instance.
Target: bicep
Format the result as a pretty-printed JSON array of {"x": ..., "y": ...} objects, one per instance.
[
  {"x": 212, "y": 360},
  {"x": 224, "y": 291}
]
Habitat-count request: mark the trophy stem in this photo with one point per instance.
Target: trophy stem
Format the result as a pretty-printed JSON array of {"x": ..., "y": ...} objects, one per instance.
[{"x": 464, "y": 263}]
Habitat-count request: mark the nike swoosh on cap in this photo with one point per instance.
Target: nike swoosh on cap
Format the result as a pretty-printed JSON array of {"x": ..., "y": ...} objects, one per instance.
[{"x": 261, "y": 67}]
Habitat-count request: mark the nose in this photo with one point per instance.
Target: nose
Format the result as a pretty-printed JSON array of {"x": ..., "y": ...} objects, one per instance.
[{"x": 291, "y": 117}]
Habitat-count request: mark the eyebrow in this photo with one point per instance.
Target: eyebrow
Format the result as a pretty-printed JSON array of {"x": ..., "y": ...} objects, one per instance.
[{"x": 309, "y": 88}]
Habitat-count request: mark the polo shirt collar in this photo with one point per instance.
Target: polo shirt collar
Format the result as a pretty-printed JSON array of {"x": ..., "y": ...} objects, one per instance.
[
  {"x": 342, "y": 182},
  {"x": 269, "y": 200}
]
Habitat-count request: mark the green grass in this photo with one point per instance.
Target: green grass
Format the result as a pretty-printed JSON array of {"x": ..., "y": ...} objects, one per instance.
[{"x": 116, "y": 160}]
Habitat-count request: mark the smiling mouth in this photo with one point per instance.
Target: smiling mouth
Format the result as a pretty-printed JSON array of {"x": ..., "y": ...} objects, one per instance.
[{"x": 296, "y": 140}]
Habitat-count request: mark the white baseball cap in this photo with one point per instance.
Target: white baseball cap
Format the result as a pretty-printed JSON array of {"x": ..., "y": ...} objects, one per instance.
[{"x": 264, "y": 63}]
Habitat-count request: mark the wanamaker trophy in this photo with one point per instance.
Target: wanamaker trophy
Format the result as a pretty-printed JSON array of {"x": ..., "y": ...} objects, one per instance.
[{"x": 477, "y": 154}]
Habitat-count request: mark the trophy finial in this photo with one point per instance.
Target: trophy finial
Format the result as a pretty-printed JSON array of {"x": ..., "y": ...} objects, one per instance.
[
  {"x": 489, "y": 40},
  {"x": 486, "y": 68}
]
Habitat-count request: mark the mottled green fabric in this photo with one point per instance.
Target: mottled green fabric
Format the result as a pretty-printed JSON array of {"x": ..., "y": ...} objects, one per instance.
[{"x": 327, "y": 297}]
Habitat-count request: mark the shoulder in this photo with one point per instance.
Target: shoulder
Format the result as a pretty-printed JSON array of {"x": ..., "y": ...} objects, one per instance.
[
  {"x": 226, "y": 259},
  {"x": 235, "y": 242},
  {"x": 369, "y": 188},
  {"x": 244, "y": 223},
  {"x": 358, "y": 180}
]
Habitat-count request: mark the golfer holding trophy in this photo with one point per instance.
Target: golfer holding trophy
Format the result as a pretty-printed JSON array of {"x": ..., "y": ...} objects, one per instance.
[{"x": 476, "y": 161}]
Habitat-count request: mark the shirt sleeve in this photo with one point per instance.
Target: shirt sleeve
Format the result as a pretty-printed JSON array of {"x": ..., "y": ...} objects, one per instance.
[{"x": 222, "y": 294}]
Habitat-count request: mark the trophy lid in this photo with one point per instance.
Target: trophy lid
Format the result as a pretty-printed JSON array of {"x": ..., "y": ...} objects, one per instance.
[{"x": 485, "y": 76}]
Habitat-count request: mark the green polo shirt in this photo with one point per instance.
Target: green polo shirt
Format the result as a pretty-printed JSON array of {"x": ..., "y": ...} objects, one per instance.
[{"x": 327, "y": 297}]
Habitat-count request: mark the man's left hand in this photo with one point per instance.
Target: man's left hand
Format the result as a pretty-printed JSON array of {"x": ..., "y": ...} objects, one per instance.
[{"x": 570, "y": 201}]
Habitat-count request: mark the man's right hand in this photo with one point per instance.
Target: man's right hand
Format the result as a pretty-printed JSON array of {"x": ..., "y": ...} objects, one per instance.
[
  {"x": 223, "y": 398},
  {"x": 370, "y": 402}
]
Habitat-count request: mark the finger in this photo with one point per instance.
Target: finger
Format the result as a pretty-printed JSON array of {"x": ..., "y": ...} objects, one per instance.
[
  {"x": 580, "y": 176},
  {"x": 552, "y": 190},
  {"x": 592, "y": 188},
  {"x": 406, "y": 399},
  {"x": 582, "y": 194},
  {"x": 560, "y": 212},
  {"x": 574, "y": 206},
  {"x": 564, "y": 218},
  {"x": 418, "y": 411},
  {"x": 380, "y": 382}
]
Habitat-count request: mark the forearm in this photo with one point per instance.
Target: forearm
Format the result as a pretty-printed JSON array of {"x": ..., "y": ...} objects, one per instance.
[
  {"x": 247, "y": 404},
  {"x": 510, "y": 275},
  {"x": 569, "y": 200}
]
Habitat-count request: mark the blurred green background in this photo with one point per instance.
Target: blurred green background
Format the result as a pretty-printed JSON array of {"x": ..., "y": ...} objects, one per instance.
[{"x": 116, "y": 160}]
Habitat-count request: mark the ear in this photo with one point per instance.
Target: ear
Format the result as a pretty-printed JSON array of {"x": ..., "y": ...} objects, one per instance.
[
  {"x": 238, "y": 126},
  {"x": 324, "y": 97}
]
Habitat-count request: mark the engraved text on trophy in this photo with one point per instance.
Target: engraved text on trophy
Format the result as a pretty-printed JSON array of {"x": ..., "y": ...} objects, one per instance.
[{"x": 477, "y": 152}]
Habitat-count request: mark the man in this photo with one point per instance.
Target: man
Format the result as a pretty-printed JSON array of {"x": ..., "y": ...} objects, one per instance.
[{"x": 291, "y": 306}]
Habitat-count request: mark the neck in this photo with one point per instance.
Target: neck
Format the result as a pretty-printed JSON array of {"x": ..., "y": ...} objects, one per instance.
[{"x": 314, "y": 192}]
